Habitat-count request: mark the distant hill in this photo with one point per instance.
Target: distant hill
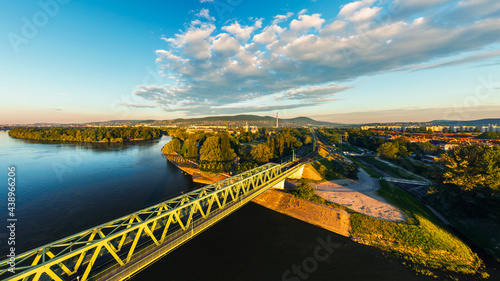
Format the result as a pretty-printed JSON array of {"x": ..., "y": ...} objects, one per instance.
[
  {"x": 299, "y": 121},
  {"x": 479, "y": 122},
  {"x": 232, "y": 120},
  {"x": 241, "y": 117}
]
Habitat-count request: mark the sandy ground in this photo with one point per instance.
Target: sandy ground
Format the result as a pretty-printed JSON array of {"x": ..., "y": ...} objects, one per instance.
[{"x": 359, "y": 196}]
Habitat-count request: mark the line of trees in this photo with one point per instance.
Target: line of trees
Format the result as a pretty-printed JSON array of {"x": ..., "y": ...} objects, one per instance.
[
  {"x": 213, "y": 152},
  {"x": 93, "y": 134},
  {"x": 217, "y": 152},
  {"x": 490, "y": 136}
]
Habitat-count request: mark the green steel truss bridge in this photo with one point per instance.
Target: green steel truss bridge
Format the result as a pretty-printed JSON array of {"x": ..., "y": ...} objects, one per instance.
[{"x": 119, "y": 248}]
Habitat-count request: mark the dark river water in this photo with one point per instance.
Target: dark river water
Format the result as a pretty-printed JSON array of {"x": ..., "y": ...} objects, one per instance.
[{"x": 64, "y": 188}]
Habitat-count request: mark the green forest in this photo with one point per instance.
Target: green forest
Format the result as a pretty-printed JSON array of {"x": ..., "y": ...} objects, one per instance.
[
  {"x": 490, "y": 135},
  {"x": 217, "y": 152},
  {"x": 94, "y": 134}
]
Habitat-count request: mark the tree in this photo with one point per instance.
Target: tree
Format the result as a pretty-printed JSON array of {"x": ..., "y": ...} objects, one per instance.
[
  {"x": 305, "y": 191},
  {"x": 388, "y": 150},
  {"x": 403, "y": 151},
  {"x": 192, "y": 147},
  {"x": 225, "y": 147},
  {"x": 473, "y": 168},
  {"x": 174, "y": 146},
  {"x": 351, "y": 170},
  {"x": 489, "y": 135},
  {"x": 210, "y": 153},
  {"x": 281, "y": 143},
  {"x": 308, "y": 139},
  {"x": 216, "y": 154},
  {"x": 261, "y": 153}
]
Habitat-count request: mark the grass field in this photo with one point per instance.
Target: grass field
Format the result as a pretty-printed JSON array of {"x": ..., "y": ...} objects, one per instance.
[
  {"x": 392, "y": 171},
  {"x": 332, "y": 164},
  {"x": 371, "y": 172},
  {"x": 348, "y": 147},
  {"x": 422, "y": 241}
]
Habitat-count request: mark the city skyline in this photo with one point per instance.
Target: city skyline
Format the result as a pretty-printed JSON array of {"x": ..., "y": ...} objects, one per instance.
[{"x": 347, "y": 62}]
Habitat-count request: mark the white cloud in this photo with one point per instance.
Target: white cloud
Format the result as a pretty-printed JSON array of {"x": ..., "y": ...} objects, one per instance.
[
  {"x": 350, "y": 9},
  {"x": 269, "y": 34},
  {"x": 305, "y": 22},
  {"x": 225, "y": 45},
  {"x": 205, "y": 14},
  {"x": 138, "y": 105},
  {"x": 334, "y": 27},
  {"x": 206, "y": 1},
  {"x": 195, "y": 41},
  {"x": 365, "y": 14},
  {"x": 242, "y": 32},
  {"x": 282, "y": 18},
  {"x": 305, "y": 60}
]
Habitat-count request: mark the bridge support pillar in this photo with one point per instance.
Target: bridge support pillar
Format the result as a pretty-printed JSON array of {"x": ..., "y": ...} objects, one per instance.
[
  {"x": 298, "y": 174},
  {"x": 280, "y": 185}
]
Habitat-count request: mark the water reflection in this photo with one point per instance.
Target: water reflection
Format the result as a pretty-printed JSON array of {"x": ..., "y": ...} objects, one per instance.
[
  {"x": 96, "y": 146},
  {"x": 66, "y": 187}
]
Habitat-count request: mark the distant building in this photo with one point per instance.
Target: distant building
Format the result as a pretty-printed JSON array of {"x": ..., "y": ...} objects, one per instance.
[
  {"x": 430, "y": 159},
  {"x": 455, "y": 129},
  {"x": 194, "y": 130},
  {"x": 368, "y": 127},
  {"x": 435, "y": 128},
  {"x": 490, "y": 128},
  {"x": 448, "y": 146},
  {"x": 410, "y": 127}
]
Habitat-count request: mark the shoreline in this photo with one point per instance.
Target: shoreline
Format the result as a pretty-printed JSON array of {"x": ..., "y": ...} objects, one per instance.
[
  {"x": 70, "y": 141},
  {"x": 191, "y": 168}
]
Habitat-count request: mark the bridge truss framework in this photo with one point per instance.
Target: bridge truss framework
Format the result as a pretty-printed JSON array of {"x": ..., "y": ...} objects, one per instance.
[{"x": 101, "y": 251}]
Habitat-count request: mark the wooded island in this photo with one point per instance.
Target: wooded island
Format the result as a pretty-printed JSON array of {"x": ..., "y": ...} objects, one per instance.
[{"x": 98, "y": 134}]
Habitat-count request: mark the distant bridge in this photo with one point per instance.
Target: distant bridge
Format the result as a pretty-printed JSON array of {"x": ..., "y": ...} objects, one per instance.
[{"x": 119, "y": 248}]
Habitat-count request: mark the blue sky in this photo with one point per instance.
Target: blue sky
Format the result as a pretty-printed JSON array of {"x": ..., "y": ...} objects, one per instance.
[{"x": 340, "y": 61}]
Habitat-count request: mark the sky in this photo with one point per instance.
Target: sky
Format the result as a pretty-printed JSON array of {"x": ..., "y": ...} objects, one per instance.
[{"x": 365, "y": 61}]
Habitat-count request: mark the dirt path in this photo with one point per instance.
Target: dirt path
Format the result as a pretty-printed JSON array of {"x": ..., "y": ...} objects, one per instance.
[{"x": 359, "y": 196}]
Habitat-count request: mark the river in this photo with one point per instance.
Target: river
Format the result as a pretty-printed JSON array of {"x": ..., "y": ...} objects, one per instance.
[{"x": 64, "y": 188}]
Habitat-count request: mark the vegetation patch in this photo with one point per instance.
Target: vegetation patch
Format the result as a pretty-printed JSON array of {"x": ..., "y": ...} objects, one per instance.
[
  {"x": 349, "y": 148},
  {"x": 305, "y": 191},
  {"x": 333, "y": 166},
  {"x": 372, "y": 173},
  {"x": 391, "y": 170},
  {"x": 422, "y": 241},
  {"x": 77, "y": 134}
]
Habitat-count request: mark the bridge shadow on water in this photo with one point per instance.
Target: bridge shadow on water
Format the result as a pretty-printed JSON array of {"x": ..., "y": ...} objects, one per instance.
[{"x": 255, "y": 243}]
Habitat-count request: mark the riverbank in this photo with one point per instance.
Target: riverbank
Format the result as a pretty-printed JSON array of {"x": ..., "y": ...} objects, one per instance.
[
  {"x": 329, "y": 218},
  {"x": 392, "y": 220},
  {"x": 191, "y": 168}
]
